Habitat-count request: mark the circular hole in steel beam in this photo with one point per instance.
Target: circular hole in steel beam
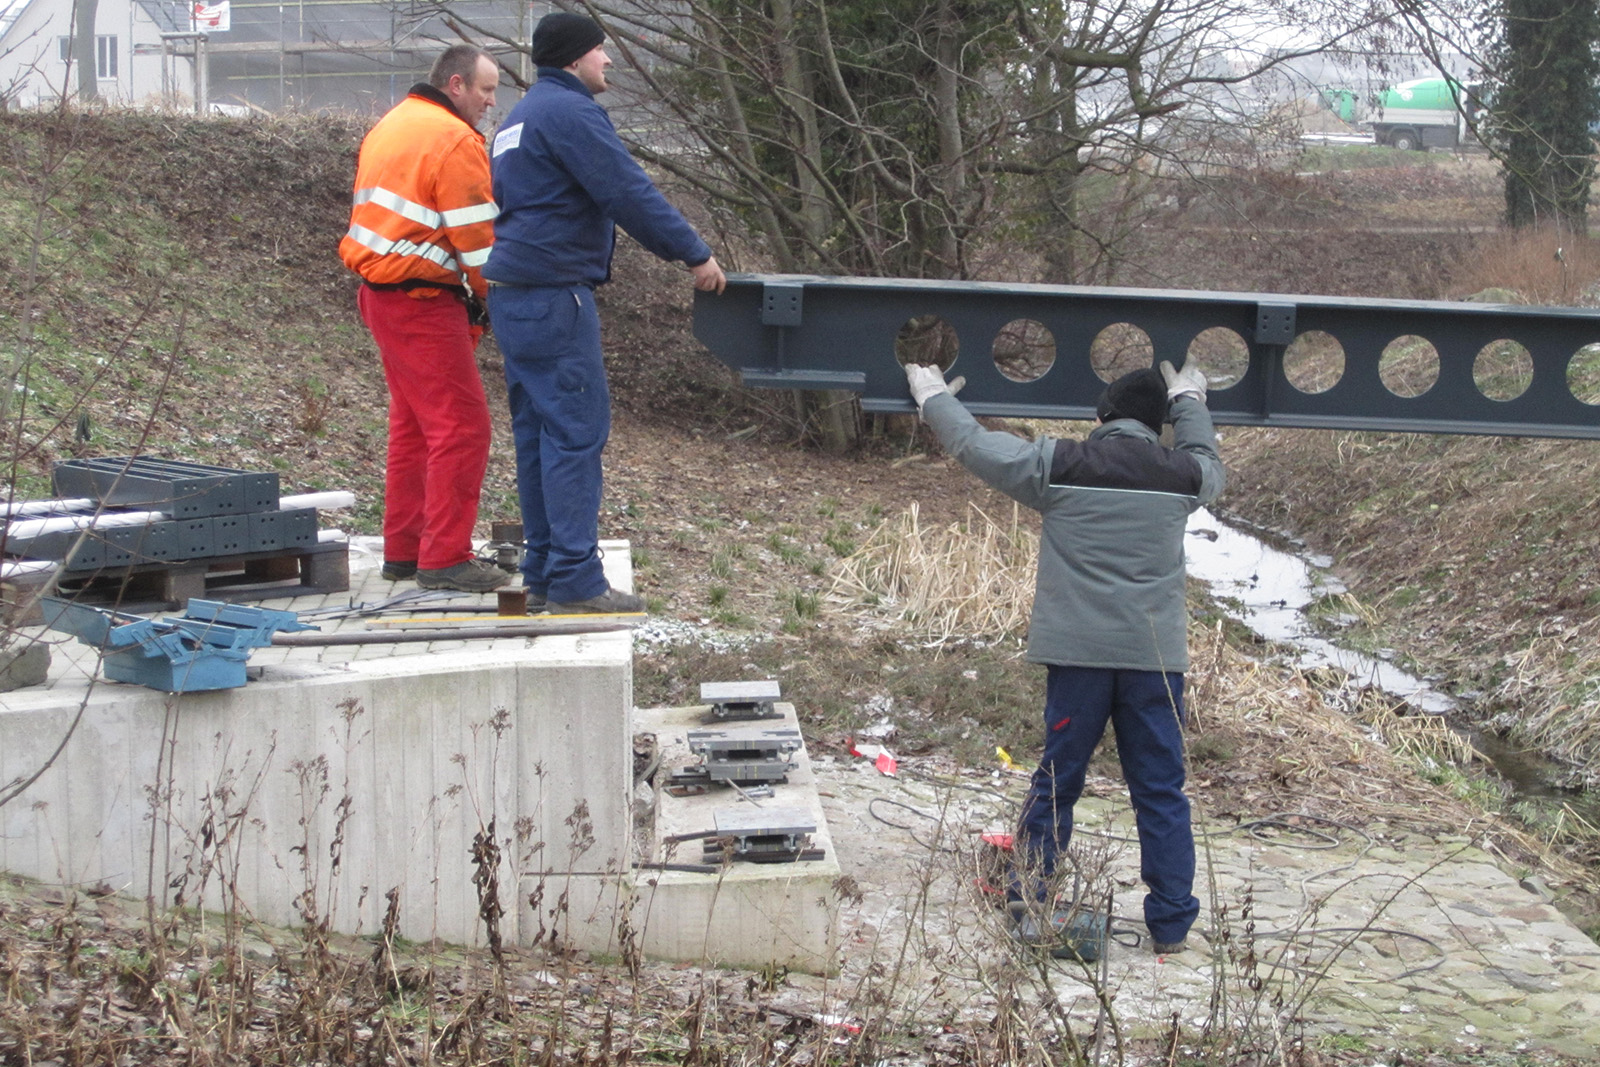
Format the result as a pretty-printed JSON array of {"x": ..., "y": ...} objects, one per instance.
[
  {"x": 1118, "y": 349},
  {"x": 1222, "y": 354},
  {"x": 1024, "y": 350},
  {"x": 1503, "y": 369},
  {"x": 1583, "y": 374},
  {"x": 1409, "y": 365},
  {"x": 927, "y": 339},
  {"x": 1314, "y": 362}
]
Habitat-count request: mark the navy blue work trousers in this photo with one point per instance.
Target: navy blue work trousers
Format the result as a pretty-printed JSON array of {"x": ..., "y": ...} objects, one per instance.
[
  {"x": 1145, "y": 709},
  {"x": 560, "y": 420}
]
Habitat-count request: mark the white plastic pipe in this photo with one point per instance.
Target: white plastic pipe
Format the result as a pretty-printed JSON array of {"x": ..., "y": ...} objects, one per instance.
[
  {"x": 15, "y": 568},
  {"x": 325, "y": 536},
  {"x": 46, "y": 507},
  {"x": 335, "y": 498},
  {"x": 35, "y": 527}
]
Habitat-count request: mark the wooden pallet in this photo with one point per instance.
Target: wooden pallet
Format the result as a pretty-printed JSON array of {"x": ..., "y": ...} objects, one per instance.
[{"x": 288, "y": 572}]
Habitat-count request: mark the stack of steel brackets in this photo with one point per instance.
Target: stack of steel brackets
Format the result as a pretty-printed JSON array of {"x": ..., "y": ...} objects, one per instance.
[{"x": 195, "y": 512}]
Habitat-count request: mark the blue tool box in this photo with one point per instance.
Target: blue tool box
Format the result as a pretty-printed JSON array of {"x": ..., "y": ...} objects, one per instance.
[{"x": 205, "y": 648}]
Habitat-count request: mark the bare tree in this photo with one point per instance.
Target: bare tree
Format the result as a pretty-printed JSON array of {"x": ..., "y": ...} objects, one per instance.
[{"x": 962, "y": 138}]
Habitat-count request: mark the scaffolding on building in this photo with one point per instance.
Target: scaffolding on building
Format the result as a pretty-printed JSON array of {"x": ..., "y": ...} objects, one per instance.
[{"x": 323, "y": 55}]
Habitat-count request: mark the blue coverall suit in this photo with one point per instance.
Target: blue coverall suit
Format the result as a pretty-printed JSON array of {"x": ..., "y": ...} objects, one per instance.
[
  {"x": 1110, "y": 622},
  {"x": 564, "y": 181}
]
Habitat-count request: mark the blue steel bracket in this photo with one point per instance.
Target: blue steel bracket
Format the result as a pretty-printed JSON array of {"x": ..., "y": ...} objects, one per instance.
[
  {"x": 846, "y": 339},
  {"x": 206, "y": 648}
]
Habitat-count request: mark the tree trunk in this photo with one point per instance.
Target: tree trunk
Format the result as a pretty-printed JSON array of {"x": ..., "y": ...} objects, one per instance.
[
  {"x": 1546, "y": 101},
  {"x": 83, "y": 48},
  {"x": 1061, "y": 184},
  {"x": 796, "y": 97},
  {"x": 952, "y": 148}
]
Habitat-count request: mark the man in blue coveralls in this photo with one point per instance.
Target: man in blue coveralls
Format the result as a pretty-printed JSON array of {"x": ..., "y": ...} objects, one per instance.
[{"x": 564, "y": 181}]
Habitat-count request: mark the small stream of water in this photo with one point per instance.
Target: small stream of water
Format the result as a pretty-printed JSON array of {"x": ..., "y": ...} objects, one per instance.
[{"x": 1269, "y": 589}]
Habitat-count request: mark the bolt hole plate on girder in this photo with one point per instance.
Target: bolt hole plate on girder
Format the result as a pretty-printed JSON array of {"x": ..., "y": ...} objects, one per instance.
[
  {"x": 1274, "y": 324},
  {"x": 781, "y": 303}
]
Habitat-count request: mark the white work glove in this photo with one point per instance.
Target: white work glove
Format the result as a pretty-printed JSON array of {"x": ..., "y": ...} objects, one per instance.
[
  {"x": 1190, "y": 381},
  {"x": 928, "y": 381}
]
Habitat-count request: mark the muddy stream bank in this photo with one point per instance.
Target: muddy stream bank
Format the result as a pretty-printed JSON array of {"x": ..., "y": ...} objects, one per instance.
[{"x": 1273, "y": 587}]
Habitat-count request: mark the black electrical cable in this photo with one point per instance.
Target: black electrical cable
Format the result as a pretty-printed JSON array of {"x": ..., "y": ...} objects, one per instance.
[{"x": 872, "y": 810}]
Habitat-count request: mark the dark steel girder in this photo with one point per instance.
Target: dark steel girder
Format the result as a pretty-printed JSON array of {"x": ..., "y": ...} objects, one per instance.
[{"x": 1499, "y": 369}]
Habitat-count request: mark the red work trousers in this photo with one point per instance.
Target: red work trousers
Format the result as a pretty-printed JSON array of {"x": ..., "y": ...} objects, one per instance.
[{"x": 438, "y": 425}]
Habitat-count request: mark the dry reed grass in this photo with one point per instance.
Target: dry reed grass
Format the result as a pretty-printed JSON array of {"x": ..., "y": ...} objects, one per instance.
[
  {"x": 1554, "y": 685},
  {"x": 1320, "y": 743},
  {"x": 1297, "y": 742},
  {"x": 1527, "y": 262},
  {"x": 972, "y": 579}
]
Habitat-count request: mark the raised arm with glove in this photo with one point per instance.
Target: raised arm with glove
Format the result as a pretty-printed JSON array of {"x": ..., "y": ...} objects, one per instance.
[
  {"x": 1190, "y": 381},
  {"x": 927, "y": 381}
]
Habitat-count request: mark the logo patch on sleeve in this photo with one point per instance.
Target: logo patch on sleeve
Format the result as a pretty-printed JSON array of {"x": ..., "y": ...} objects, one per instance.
[{"x": 507, "y": 139}]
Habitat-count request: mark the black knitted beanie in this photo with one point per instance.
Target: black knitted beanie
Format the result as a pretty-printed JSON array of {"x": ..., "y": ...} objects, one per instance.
[
  {"x": 562, "y": 38},
  {"x": 1139, "y": 394}
]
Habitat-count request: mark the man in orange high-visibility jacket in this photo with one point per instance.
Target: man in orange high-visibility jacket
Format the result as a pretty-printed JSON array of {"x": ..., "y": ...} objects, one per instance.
[{"x": 421, "y": 225}]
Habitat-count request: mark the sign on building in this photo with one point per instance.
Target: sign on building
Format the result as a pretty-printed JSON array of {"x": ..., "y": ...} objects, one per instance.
[{"x": 210, "y": 18}]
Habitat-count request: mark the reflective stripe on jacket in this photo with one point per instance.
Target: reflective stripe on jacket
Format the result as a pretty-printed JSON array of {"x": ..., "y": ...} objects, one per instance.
[
  {"x": 423, "y": 210},
  {"x": 1110, "y": 585}
]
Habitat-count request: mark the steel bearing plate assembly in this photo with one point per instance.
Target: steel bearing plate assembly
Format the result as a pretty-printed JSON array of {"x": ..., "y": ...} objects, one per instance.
[
  {"x": 733, "y": 701},
  {"x": 737, "y": 755},
  {"x": 749, "y": 758},
  {"x": 206, "y": 648},
  {"x": 762, "y": 835}
]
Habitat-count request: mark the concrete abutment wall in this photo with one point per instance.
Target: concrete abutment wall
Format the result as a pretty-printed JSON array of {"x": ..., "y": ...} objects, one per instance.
[{"x": 335, "y": 786}]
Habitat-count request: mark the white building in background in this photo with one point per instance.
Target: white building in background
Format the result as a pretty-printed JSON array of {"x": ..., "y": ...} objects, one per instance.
[
  {"x": 37, "y": 66},
  {"x": 257, "y": 56}
]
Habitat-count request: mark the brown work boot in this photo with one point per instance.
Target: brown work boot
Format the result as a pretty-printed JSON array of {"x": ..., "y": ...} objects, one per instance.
[
  {"x": 468, "y": 576},
  {"x": 398, "y": 570},
  {"x": 611, "y": 602}
]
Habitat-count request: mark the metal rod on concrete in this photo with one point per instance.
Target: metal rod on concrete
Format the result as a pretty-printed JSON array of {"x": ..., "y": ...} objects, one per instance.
[{"x": 474, "y": 633}]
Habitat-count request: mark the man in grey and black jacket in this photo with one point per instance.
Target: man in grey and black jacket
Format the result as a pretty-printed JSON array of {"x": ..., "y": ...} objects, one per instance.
[{"x": 1109, "y": 616}]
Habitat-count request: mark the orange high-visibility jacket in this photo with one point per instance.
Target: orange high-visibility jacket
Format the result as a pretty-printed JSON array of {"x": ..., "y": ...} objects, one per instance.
[{"x": 423, "y": 210}]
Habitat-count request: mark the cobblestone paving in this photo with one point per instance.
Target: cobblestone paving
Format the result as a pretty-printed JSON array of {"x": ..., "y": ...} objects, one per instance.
[{"x": 1393, "y": 938}]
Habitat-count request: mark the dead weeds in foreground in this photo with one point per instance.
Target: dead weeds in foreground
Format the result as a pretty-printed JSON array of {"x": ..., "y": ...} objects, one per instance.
[{"x": 90, "y": 979}]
